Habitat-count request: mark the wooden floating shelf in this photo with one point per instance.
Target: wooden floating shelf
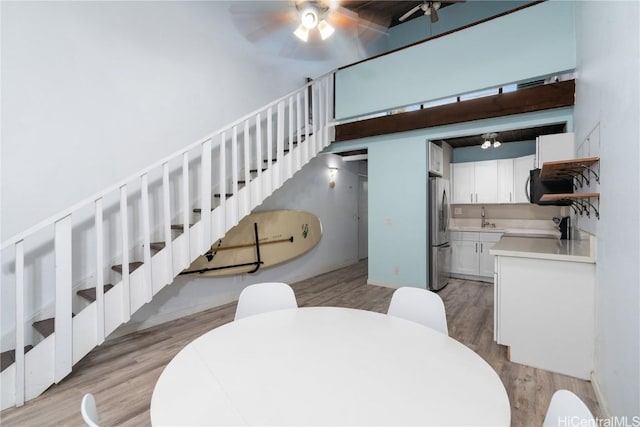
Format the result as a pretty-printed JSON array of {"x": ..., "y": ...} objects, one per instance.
[
  {"x": 567, "y": 196},
  {"x": 564, "y": 168}
]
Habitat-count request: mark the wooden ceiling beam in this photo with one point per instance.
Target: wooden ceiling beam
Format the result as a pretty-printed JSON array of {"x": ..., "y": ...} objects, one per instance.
[{"x": 536, "y": 98}]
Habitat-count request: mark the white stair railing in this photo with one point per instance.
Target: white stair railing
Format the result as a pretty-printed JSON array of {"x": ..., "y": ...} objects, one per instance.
[{"x": 295, "y": 132}]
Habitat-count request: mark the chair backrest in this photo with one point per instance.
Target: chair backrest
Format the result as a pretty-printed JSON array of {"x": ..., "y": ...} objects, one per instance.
[
  {"x": 421, "y": 306},
  {"x": 567, "y": 409},
  {"x": 263, "y": 297},
  {"x": 89, "y": 411}
]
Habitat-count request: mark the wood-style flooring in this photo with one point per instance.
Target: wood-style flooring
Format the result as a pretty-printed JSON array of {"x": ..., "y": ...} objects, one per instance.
[{"x": 122, "y": 373}]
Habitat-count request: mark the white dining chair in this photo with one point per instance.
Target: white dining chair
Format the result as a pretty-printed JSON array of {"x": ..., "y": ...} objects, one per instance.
[
  {"x": 421, "y": 306},
  {"x": 89, "y": 410},
  {"x": 263, "y": 297},
  {"x": 567, "y": 409}
]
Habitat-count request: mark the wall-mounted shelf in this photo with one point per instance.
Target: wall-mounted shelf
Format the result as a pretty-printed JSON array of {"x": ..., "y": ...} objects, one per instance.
[
  {"x": 580, "y": 169},
  {"x": 580, "y": 202}
]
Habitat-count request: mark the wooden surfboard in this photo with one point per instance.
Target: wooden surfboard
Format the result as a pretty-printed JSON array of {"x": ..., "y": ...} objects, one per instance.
[{"x": 280, "y": 236}]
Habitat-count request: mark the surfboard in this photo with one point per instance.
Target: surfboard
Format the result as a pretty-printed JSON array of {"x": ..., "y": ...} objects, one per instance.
[{"x": 260, "y": 240}]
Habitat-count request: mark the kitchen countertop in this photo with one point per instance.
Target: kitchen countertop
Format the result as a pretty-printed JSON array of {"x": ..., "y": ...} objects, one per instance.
[
  {"x": 508, "y": 230},
  {"x": 541, "y": 248}
]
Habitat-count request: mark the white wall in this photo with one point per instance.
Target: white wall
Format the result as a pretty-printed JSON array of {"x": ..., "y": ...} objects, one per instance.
[
  {"x": 308, "y": 190},
  {"x": 608, "y": 97},
  {"x": 94, "y": 91}
]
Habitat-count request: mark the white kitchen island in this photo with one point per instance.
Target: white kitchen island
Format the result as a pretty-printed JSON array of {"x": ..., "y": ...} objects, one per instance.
[{"x": 544, "y": 302}]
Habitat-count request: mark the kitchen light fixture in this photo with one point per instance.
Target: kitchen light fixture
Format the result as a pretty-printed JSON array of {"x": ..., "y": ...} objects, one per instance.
[
  {"x": 310, "y": 18},
  {"x": 490, "y": 140}
]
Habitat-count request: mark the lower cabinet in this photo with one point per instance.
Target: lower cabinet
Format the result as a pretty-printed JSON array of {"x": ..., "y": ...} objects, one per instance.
[{"x": 470, "y": 254}]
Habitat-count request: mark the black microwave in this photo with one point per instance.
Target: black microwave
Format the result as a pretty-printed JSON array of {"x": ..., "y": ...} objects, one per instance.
[{"x": 538, "y": 187}]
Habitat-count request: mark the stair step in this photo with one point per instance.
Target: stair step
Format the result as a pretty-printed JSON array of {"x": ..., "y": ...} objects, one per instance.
[
  {"x": 157, "y": 246},
  {"x": 132, "y": 267},
  {"x": 45, "y": 327},
  {"x": 8, "y": 357},
  {"x": 179, "y": 227},
  {"x": 90, "y": 293}
]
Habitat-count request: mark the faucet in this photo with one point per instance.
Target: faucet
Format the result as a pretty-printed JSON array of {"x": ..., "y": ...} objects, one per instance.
[{"x": 484, "y": 223}]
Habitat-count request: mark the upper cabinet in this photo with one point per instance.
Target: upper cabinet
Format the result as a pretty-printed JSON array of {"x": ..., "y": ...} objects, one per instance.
[
  {"x": 550, "y": 148},
  {"x": 492, "y": 181},
  {"x": 436, "y": 163},
  {"x": 475, "y": 182}
]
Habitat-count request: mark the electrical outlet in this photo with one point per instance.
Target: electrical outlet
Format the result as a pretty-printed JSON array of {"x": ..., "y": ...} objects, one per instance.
[{"x": 457, "y": 211}]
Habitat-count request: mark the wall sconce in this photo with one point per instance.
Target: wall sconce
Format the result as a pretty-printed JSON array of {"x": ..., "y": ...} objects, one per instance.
[{"x": 332, "y": 176}]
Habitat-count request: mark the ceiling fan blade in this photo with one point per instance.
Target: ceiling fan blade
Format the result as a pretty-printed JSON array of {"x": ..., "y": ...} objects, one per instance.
[
  {"x": 347, "y": 19},
  {"x": 434, "y": 15},
  {"x": 411, "y": 12},
  {"x": 255, "y": 23}
]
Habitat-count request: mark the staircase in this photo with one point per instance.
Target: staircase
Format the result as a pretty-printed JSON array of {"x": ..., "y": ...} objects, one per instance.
[{"x": 233, "y": 170}]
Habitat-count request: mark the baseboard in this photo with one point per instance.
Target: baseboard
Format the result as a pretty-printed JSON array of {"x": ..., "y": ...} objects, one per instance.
[
  {"x": 391, "y": 285},
  {"x": 472, "y": 278},
  {"x": 604, "y": 406}
]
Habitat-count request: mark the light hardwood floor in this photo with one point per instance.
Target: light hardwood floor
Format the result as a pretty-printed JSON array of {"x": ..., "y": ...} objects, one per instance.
[{"x": 122, "y": 373}]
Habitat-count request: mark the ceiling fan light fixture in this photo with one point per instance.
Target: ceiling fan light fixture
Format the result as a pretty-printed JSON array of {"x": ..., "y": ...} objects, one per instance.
[
  {"x": 496, "y": 143},
  {"x": 326, "y": 30},
  {"x": 302, "y": 33},
  {"x": 485, "y": 145},
  {"x": 309, "y": 18}
]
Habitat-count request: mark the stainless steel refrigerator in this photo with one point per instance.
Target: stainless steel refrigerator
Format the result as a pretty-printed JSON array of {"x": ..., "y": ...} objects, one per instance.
[{"x": 439, "y": 247}]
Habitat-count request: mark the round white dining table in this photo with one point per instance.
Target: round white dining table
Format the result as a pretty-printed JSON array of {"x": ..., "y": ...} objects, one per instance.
[{"x": 327, "y": 366}]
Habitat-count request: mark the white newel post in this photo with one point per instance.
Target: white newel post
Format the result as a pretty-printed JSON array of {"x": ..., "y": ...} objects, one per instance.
[
  {"x": 289, "y": 166},
  {"x": 205, "y": 197},
  {"x": 259, "y": 160},
  {"x": 271, "y": 183},
  {"x": 306, "y": 153},
  {"x": 298, "y": 160},
  {"x": 222, "y": 187},
  {"x": 146, "y": 237},
  {"x": 63, "y": 323},
  {"x": 235, "y": 216},
  {"x": 99, "y": 271},
  {"x": 126, "y": 294},
  {"x": 247, "y": 167},
  {"x": 166, "y": 222},
  {"x": 279, "y": 165},
  {"x": 19, "y": 357},
  {"x": 186, "y": 214}
]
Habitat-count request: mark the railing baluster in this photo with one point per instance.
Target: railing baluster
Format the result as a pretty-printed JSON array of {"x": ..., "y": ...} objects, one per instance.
[
  {"x": 290, "y": 145},
  {"x": 234, "y": 176},
  {"x": 63, "y": 360},
  {"x": 306, "y": 124},
  {"x": 205, "y": 197},
  {"x": 270, "y": 149},
  {"x": 166, "y": 219},
  {"x": 259, "y": 159},
  {"x": 247, "y": 168},
  {"x": 298, "y": 131},
  {"x": 279, "y": 145},
  {"x": 126, "y": 295},
  {"x": 186, "y": 215},
  {"x": 222, "y": 187},
  {"x": 19, "y": 261},
  {"x": 146, "y": 236},
  {"x": 315, "y": 118},
  {"x": 99, "y": 271},
  {"x": 327, "y": 104}
]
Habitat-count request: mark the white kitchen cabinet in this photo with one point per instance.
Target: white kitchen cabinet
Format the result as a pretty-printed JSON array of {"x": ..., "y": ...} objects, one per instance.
[
  {"x": 521, "y": 168},
  {"x": 550, "y": 148},
  {"x": 475, "y": 182},
  {"x": 436, "y": 163},
  {"x": 543, "y": 310},
  {"x": 505, "y": 181},
  {"x": 470, "y": 254}
]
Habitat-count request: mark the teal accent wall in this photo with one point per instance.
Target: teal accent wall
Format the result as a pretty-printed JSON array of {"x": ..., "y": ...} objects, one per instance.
[
  {"x": 398, "y": 192},
  {"x": 509, "y": 49},
  {"x": 507, "y": 150},
  {"x": 454, "y": 16}
]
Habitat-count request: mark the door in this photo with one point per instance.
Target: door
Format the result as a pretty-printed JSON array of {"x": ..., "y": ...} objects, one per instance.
[
  {"x": 505, "y": 181},
  {"x": 486, "y": 182},
  {"x": 463, "y": 182},
  {"x": 486, "y": 260},
  {"x": 464, "y": 257},
  {"x": 363, "y": 217},
  {"x": 440, "y": 266},
  {"x": 439, "y": 211}
]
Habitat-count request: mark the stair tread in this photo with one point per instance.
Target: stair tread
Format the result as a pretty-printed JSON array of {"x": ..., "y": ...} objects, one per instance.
[
  {"x": 7, "y": 358},
  {"x": 132, "y": 267},
  {"x": 90, "y": 293},
  {"x": 157, "y": 246},
  {"x": 45, "y": 327}
]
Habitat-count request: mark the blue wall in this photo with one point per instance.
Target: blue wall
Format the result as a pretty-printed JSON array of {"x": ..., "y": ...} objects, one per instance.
[
  {"x": 507, "y": 150},
  {"x": 452, "y": 17},
  {"x": 398, "y": 191},
  {"x": 505, "y": 50}
]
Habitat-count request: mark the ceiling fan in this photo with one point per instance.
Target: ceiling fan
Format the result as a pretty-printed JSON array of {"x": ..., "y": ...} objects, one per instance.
[
  {"x": 310, "y": 22},
  {"x": 428, "y": 8}
]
